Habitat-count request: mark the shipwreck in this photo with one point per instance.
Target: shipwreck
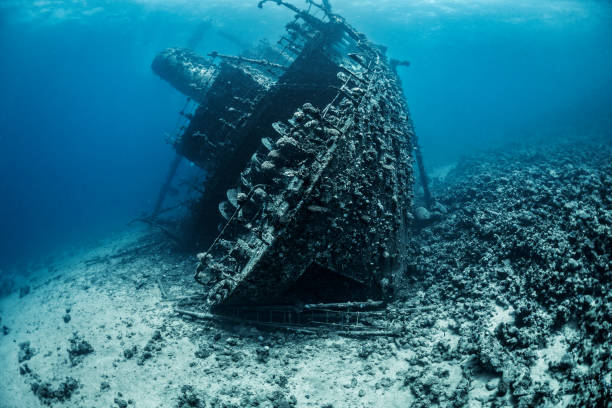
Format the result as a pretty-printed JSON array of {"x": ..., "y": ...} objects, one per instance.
[{"x": 308, "y": 149}]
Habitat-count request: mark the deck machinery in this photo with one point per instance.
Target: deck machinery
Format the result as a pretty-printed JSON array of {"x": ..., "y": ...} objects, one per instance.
[{"x": 307, "y": 149}]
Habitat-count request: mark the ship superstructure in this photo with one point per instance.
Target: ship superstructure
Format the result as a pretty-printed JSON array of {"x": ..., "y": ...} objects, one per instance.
[{"x": 307, "y": 150}]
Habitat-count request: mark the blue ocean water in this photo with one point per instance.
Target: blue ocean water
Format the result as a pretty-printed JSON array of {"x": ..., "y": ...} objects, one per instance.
[{"x": 83, "y": 118}]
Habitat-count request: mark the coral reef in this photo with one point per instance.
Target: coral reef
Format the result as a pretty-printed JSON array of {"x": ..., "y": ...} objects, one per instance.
[{"x": 529, "y": 232}]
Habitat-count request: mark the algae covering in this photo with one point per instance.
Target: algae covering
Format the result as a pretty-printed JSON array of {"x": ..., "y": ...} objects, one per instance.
[{"x": 307, "y": 148}]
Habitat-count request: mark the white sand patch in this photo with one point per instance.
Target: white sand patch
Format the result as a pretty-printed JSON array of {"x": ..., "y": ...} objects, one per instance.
[
  {"x": 500, "y": 315},
  {"x": 111, "y": 310},
  {"x": 554, "y": 352}
]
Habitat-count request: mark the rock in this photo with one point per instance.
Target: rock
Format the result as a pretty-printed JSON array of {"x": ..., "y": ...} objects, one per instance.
[
  {"x": 25, "y": 352},
  {"x": 144, "y": 357},
  {"x": 121, "y": 403},
  {"x": 154, "y": 344},
  {"x": 232, "y": 341},
  {"x": 203, "y": 351},
  {"x": 24, "y": 369},
  {"x": 502, "y": 388},
  {"x": 5, "y": 331},
  {"x": 422, "y": 216},
  {"x": 104, "y": 386},
  {"x": 78, "y": 349},
  {"x": 281, "y": 380},
  {"x": 49, "y": 395},
  {"x": 130, "y": 352},
  {"x": 492, "y": 384},
  {"x": 189, "y": 398},
  {"x": 263, "y": 354},
  {"x": 440, "y": 208},
  {"x": 156, "y": 336},
  {"x": 366, "y": 350},
  {"x": 66, "y": 318},
  {"x": 279, "y": 400}
]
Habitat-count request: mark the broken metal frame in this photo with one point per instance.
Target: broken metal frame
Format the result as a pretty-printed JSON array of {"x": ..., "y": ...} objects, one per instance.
[
  {"x": 338, "y": 318},
  {"x": 353, "y": 319}
]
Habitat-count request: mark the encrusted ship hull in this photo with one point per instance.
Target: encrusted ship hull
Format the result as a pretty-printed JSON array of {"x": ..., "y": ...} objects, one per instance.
[{"x": 308, "y": 161}]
